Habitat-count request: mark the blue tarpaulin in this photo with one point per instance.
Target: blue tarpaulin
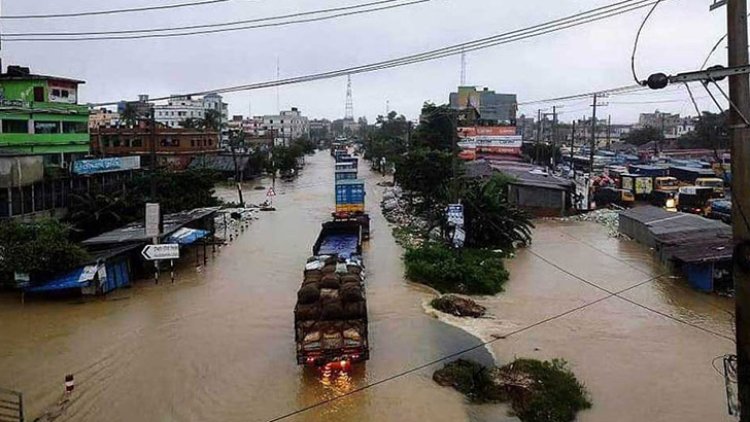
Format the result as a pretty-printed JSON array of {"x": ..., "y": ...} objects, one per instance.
[
  {"x": 76, "y": 279},
  {"x": 185, "y": 236},
  {"x": 343, "y": 245}
]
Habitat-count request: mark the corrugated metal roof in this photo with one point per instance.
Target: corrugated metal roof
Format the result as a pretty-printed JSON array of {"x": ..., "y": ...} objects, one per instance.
[
  {"x": 223, "y": 163},
  {"x": 136, "y": 232},
  {"x": 706, "y": 251}
]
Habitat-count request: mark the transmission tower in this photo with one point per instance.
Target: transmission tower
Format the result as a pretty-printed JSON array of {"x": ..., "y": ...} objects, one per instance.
[
  {"x": 463, "y": 67},
  {"x": 349, "y": 114}
]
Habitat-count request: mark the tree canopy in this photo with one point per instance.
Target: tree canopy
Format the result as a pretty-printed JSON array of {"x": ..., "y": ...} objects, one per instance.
[
  {"x": 711, "y": 132},
  {"x": 644, "y": 135},
  {"x": 436, "y": 129},
  {"x": 41, "y": 248}
]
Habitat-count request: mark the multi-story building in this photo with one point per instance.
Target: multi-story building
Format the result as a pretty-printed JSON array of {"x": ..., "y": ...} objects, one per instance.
[
  {"x": 320, "y": 129},
  {"x": 103, "y": 118},
  {"x": 493, "y": 108},
  {"x": 175, "y": 147},
  {"x": 41, "y": 116},
  {"x": 236, "y": 123},
  {"x": 179, "y": 109},
  {"x": 286, "y": 126},
  {"x": 667, "y": 123}
]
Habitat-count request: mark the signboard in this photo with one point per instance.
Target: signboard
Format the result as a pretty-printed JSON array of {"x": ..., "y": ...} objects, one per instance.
[
  {"x": 468, "y": 132},
  {"x": 455, "y": 214},
  {"x": 271, "y": 192},
  {"x": 105, "y": 165},
  {"x": 510, "y": 145},
  {"x": 153, "y": 217},
  {"x": 160, "y": 252}
]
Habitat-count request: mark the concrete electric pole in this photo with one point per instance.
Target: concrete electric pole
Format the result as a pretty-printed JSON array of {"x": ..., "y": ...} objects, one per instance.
[
  {"x": 739, "y": 95},
  {"x": 593, "y": 139}
]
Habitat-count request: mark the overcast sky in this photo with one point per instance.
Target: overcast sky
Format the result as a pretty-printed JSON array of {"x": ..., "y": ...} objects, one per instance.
[{"x": 590, "y": 57}]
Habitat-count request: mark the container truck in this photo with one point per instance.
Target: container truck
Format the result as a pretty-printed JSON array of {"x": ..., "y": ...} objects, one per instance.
[
  {"x": 694, "y": 199},
  {"x": 350, "y": 196},
  {"x": 641, "y": 186},
  {"x": 712, "y": 182},
  {"x": 330, "y": 318},
  {"x": 345, "y": 174},
  {"x": 346, "y": 166},
  {"x": 688, "y": 175}
]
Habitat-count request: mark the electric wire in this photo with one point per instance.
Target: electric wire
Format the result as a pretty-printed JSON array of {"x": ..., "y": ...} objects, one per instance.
[
  {"x": 517, "y": 35},
  {"x": 635, "y": 43},
  {"x": 114, "y": 11},
  {"x": 456, "y": 354},
  {"x": 215, "y": 31},
  {"x": 214, "y": 25}
]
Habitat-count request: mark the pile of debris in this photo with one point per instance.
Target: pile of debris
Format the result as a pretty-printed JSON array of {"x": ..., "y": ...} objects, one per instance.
[
  {"x": 458, "y": 306},
  {"x": 609, "y": 218}
]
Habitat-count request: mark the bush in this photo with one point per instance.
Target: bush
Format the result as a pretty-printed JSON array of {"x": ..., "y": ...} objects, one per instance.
[
  {"x": 468, "y": 271},
  {"x": 538, "y": 391},
  {"x": 557, "y": 396}
]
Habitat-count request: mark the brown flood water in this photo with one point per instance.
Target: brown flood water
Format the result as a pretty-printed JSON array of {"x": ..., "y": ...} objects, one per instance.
[{"x": 218, "y": 345}]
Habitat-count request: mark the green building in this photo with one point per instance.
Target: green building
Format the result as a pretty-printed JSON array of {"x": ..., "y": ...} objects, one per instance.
[{"x": 41, "y": 116}]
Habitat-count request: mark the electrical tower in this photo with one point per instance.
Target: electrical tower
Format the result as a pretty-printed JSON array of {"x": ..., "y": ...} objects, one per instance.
[
  {"x": 349, "y": 114},
  {"x": 463, "y": 67}
]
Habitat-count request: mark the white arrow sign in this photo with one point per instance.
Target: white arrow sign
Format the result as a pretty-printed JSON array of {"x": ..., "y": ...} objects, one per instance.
[{"x": 160, "y": 252}]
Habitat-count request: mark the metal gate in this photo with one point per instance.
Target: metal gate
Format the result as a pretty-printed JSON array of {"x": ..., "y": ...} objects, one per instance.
[{"x": 11, "y": 406}]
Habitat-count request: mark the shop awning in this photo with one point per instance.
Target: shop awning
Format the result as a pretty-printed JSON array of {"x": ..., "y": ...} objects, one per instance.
[
  {"x": 76, "y": 279},
  {"x": 186, "y": 236}
]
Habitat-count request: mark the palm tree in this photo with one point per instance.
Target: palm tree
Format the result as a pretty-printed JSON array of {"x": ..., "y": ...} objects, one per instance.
[
  {"x": 190, "y": 123},
  {"x": 129, "y": 115},
  {"x": 212, "y": 120}
]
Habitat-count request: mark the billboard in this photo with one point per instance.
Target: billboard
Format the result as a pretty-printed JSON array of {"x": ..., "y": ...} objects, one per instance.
[
  {"x": 509, "y": 145},
  {"x": 106, "y": 165},
  {"x": 468, "y": 132}
]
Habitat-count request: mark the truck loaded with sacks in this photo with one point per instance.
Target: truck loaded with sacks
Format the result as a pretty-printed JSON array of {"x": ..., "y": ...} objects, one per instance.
[{"x": 330, "y": 318}]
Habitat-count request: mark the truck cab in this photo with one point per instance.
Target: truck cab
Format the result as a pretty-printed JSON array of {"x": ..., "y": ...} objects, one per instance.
[
  {"x": 666, "y": 183},
  {"x": 712, "y": 182}
]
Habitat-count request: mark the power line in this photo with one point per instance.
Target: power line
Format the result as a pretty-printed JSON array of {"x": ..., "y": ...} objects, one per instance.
[
  {"x": 637, "y": 38},
  {"x": 214, "y": 31},
  {"x": 114, "y": 11},
  {"x": 512, "y": 36},
  {"x": 456, "y": 354},
  {"x": 215, "y": 25}
]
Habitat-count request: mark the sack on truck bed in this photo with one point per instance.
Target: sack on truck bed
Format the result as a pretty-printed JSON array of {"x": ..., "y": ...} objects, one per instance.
[
  {"x": 330, "y": 281},
  {"x": 355, "y": 310},
  {"x": 308, "y": 294},
  {"x": 329, "y": 295},
  {"x": 329, "y": 268},
  {"x": 354, "y": 269},
  {"x": 313, "y": 273},
  {"x": 307, "y": 312},
  {"x": 351, "y": 278},
  {"x": 332, "y": 312},
  {"x": 310, "y": 280},
  {"x": 351, "y": 292}
]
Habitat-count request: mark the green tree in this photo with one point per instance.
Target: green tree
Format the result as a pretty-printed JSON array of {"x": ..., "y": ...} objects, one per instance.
[
  {"x": 190, "y": 123},
  {"x": 427, "y": 174},
  {"x": 91, "y": 213},
  {"x": 211, "y": 120},
  {"x": 644, "y": 135},
  {"x": 436, "y": 129},
  {"x": 129, "y": 115},
  {"x": 40, "y": 249},
  {"x": 490, "y": 220},
  {"x": 711, "y": 132}
]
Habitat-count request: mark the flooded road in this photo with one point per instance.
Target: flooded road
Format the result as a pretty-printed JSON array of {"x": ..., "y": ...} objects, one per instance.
[{"x": 218, "y": 344}]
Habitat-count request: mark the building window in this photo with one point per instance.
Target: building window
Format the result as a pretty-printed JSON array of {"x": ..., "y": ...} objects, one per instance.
[
  {"x": 56, "y": 93},
  {"x": 75, "y": 127},
  {"x": 39, "y": 94},
  {"x": 64, "y": 93},
  {"x": 15, "y": 126},
  {"x": 116, "y": 141},
  {"x": 136, "y": 142},
  {"x": 46, "y": 127}
]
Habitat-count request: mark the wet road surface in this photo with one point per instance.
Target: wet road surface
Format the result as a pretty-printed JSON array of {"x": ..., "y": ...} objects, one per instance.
[{"x": 218, "y": 344}]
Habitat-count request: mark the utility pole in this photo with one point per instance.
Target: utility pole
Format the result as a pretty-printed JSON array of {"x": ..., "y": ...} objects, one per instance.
[
  {"x": 152, "y": 119},
  {"x": 572, "y": 150},
  {"x": 593, "y": 139},
  {"x": 739, "y": 94},
  {"x": 609, "y": 132},
  {"x": 554, "y": 125},
  {"x": 538, "y": 125}
]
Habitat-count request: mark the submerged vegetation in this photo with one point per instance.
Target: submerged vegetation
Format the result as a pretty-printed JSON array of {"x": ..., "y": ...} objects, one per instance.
[{"x": 537, "y": 391}]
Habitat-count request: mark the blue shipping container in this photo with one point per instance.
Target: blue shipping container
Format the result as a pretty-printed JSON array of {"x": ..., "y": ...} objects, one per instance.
[
  {"x": 350, "y": 192},
  {"x": 348, "y": 174}
]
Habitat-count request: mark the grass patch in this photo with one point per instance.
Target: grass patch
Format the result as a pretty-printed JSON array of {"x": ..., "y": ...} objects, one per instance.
[
  {"x": 466, "y": 271},
  {"x": 538, "y": 391}
]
